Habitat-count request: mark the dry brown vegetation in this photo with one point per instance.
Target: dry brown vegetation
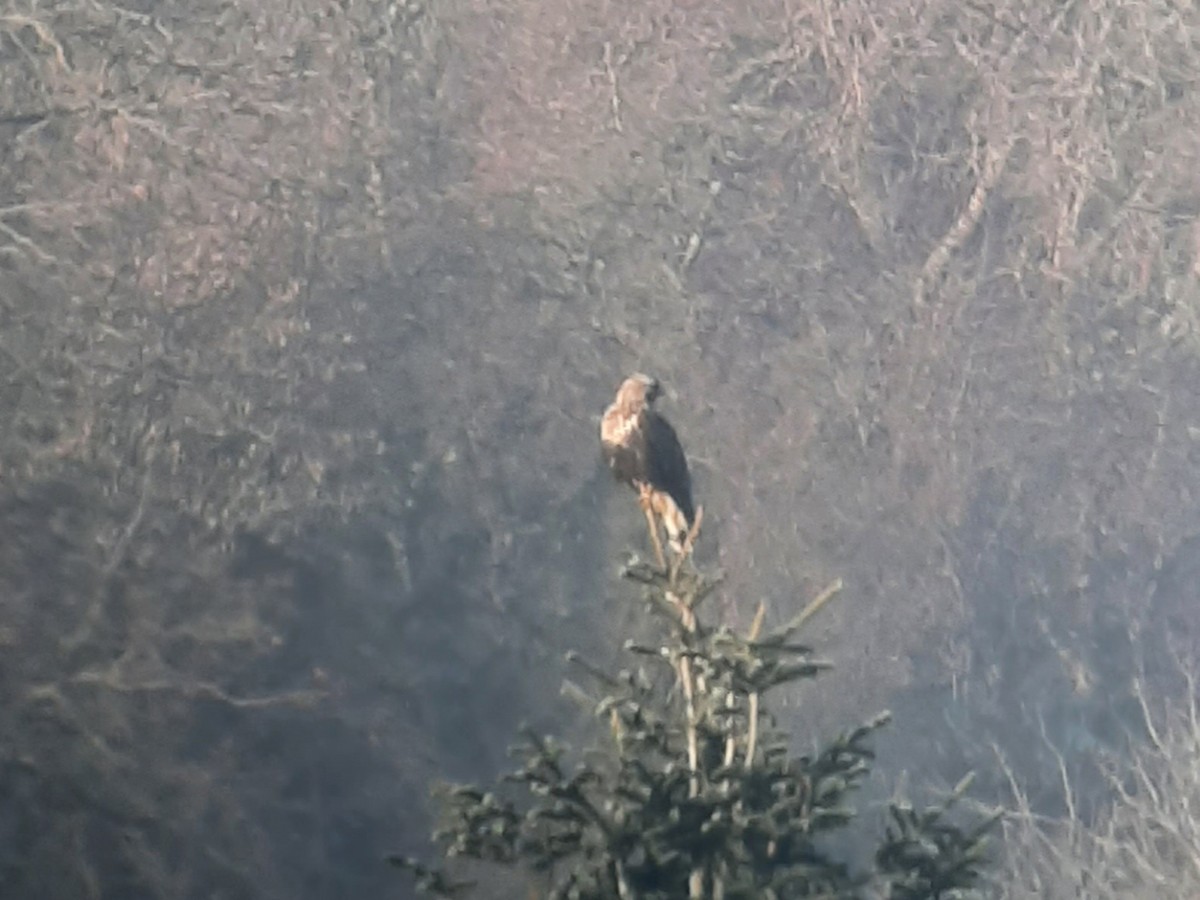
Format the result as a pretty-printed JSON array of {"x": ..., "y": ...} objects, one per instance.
[
  {"x": 1142, "y": 843},
  {"x": 306, "y": 308}
]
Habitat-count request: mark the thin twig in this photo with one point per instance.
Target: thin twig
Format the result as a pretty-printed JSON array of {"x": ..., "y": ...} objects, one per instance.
[
  {"x": 615, "y": 101},
  {"x": 752, "y": 732}
]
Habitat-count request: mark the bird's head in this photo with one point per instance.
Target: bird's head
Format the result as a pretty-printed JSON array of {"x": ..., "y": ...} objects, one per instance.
[{"x": 648, "y": 386}]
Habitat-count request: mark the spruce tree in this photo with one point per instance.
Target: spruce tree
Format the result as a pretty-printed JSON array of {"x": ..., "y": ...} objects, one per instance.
[{"x": 691, "y": 792}]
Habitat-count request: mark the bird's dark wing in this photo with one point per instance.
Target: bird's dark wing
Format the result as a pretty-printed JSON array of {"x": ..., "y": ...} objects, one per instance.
[{"x": 666, "y": 465}]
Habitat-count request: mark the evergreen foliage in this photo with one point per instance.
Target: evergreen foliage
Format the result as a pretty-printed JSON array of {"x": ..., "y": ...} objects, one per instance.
[{"x": 693, "y": 793}]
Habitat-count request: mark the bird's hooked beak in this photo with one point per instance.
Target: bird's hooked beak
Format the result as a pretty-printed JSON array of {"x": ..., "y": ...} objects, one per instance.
[{"x": 651, "y": 385}]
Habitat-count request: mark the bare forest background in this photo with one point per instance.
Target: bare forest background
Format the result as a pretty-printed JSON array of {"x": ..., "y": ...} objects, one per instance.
[{"x": 308, "y": 310}]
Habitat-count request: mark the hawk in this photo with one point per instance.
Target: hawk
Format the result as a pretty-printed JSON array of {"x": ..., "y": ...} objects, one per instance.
[{"x": 643, "y": 451}]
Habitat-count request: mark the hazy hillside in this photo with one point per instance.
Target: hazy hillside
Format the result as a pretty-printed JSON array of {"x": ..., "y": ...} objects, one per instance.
[{"x": 308, "y": 310}]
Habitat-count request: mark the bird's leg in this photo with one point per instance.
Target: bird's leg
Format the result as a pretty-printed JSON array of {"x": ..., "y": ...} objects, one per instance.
[{"x": 652, "y": 524}]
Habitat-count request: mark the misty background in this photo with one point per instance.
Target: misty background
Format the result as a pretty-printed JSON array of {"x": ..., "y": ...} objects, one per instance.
[{"x": 308, "y": 311}]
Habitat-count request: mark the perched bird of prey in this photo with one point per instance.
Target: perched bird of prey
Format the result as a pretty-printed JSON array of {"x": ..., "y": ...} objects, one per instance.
[{"x": 642, "y": 450}]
